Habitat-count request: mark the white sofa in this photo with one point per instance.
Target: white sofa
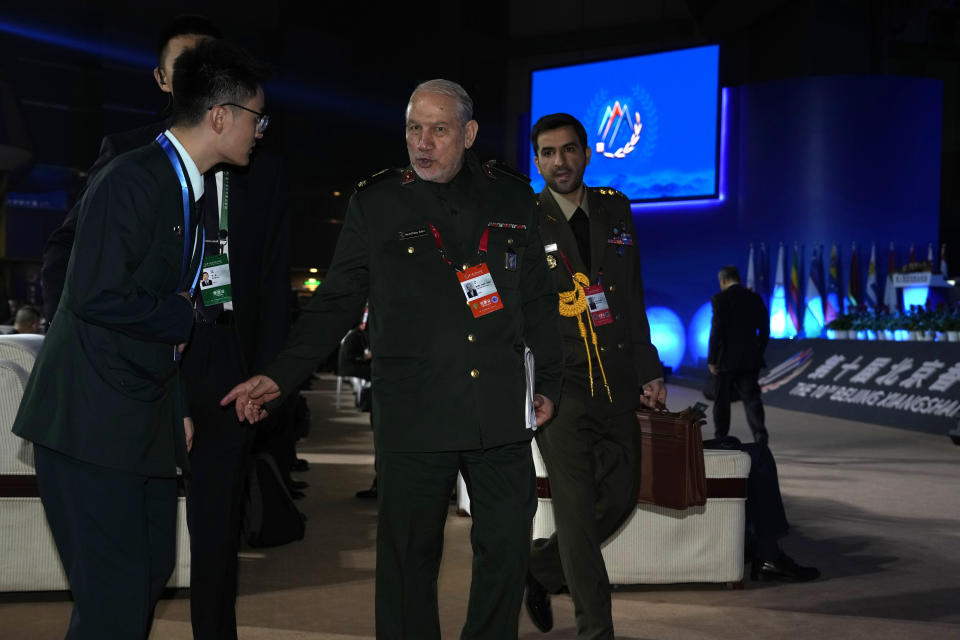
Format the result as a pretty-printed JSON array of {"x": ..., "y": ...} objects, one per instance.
[
  {"x": 657, "y": 545},
  {"x": 28, "y": 557}
]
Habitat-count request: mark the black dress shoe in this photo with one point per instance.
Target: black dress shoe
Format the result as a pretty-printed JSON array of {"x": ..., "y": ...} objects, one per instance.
[
  {"x": 537, "y": 601},
  {"x": 299, "y": 484},
  {"x": 370, "y": 493},
  {"x": 783, "y": 568},
  {"x": 301, "y": 465}
]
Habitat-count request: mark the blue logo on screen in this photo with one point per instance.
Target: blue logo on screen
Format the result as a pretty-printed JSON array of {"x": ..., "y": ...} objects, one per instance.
[{"x": 625, "y": 126}]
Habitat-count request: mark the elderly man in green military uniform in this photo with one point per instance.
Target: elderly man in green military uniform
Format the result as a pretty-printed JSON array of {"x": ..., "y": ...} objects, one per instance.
[
  {"x": 610, "y": 368},
  {"x": 449, "y": 369}
]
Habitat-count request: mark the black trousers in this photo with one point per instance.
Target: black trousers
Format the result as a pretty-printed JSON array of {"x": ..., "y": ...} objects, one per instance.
[
  {"x": 414, "y": 499},
  {"x": 116, "y": 536},
  {"x": 591, "y": 459},
  {"x": 745, "y": 382},
  {"x": 219, "y": 460},
  {"x": 766, "y": 518}
]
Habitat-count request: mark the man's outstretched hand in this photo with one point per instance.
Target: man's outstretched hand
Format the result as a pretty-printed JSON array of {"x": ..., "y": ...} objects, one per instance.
[
  {"x": 250, "y": 396},
  {"x": 543, "y": 407}
]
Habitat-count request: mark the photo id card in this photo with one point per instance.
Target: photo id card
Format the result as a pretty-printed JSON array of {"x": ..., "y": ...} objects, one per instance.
[
  {"x": 479, "y": 290},
  {"x": 215, "y": 280},
  {"x": 597, "y": 305}
]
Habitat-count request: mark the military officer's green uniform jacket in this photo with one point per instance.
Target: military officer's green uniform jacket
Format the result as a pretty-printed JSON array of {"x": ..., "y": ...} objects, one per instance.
[
  {"x": 629, "y": 359},
  {"x": 443, "y": 380},
  {"x": 590, "y": 447}
]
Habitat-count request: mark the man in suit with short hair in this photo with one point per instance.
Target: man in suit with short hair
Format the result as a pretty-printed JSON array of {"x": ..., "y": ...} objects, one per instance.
[
  {"x": 104, "y": 405},
  {"x": 179, "y": 34},
  {"x": 228, "y": 341},
  {"x": 738, "y": 337}
]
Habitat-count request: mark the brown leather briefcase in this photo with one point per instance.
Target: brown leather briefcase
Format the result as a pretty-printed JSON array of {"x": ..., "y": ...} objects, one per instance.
[{"x": 671, "y": 470}]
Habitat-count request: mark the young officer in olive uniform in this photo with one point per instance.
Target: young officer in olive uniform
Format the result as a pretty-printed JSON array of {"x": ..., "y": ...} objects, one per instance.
[
  {"x": 590, "y": 446},
  {"x": 448, "y": 369}
]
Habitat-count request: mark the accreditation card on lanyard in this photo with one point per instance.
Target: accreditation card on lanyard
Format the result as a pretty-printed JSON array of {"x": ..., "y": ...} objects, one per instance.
[
  {"x": 597, "y": 303},
  {"x": 477, "y": 281},
  {"x": 216, "y": 288}
]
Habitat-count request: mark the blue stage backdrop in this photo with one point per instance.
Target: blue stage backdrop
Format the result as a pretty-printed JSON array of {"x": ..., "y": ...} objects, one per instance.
[
  {"x": 814, "y": 161},
  {"x": 651, "y": 120}
]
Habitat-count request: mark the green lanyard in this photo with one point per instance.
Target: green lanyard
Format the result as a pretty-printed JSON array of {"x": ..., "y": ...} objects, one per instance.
[{"x": 224, "y": 203}]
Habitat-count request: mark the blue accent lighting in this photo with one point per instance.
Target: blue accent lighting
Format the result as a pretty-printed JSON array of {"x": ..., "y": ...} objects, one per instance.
[
  {"x": 699, "y": 333},
  {"x": 137, "y": 57},
  {"x": 915, "y": 296},
  {"x": 667, "y": 335},
  {"x": 778, "y": 313},
  {"x": 813, "y": 318}
]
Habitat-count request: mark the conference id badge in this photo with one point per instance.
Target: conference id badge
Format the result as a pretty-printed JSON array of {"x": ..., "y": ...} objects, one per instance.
[
  {"x": 479, "y": 290},
  {"x": 215, "y": 280},
  {"x": 597, "y": 305}
]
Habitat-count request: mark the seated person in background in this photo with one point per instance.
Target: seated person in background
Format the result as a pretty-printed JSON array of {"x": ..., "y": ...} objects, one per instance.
[
  {"x": 765, "y": 515},
  {"x": 27, "y": 320}
]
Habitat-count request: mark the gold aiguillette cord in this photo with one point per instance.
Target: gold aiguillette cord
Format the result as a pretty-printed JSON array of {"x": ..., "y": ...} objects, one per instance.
[{"x": 573, "y": 304}]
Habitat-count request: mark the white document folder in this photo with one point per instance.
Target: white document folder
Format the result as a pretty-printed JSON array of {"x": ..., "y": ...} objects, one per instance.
[{"x": 531, "y": 414}]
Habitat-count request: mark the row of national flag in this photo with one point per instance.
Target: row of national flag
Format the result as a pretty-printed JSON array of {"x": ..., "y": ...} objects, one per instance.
[{"x": 805, "y": 313}]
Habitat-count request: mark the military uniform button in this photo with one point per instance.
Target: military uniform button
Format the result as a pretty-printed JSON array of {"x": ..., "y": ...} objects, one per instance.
[
  {"x": 471, "y": 337},
  {"x": 603, "y": 349},
  {"x": 474, "y": 373},
  {"x": 465, "y": 266},
  {"x": 613, "y": 287},
  {"x": 620, "y": 346},
  {"x": 509, "y": 240},
  {"x": 616, "y": 317},
  {"x": 409, "y": 249}
]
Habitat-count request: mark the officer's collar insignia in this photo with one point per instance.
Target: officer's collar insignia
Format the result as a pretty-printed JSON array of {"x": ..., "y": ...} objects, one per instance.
[
  {"x": 408, "y": 176},
  {"x": 487, "y": 169}
]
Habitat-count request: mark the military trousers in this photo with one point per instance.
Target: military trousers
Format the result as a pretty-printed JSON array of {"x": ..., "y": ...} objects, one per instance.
[
  {"x": 591, "y": 460},
  {"x": 414, "y": 492}
]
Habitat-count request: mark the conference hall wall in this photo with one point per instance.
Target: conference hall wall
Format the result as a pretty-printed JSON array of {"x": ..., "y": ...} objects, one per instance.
[{"x": 812, "y": 161}]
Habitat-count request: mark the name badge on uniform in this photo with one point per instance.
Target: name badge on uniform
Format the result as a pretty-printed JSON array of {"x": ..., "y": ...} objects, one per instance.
[
  {"x": 215, "y": 280},
  {"x": 479, "y": 290},
  {"x": 597, "y": 305}
]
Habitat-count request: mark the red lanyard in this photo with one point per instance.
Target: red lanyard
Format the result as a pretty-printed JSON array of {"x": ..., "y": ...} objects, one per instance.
[
  {"x": 482, "y": 249},
  {"x": 570, "y": 269}
]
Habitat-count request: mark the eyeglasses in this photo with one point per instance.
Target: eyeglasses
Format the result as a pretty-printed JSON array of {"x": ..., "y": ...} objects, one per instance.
[{"x": 262, "y": 119}]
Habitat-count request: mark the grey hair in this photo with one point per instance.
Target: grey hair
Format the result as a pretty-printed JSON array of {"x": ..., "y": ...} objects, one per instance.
[{"x": 451, "y": 89}]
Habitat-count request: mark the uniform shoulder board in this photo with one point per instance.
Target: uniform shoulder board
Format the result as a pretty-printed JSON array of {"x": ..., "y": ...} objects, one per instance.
[
  {"x": 607, "y": 191},
  {"x": 493, "y": 168},
  {"x": 377, "y": 177}
]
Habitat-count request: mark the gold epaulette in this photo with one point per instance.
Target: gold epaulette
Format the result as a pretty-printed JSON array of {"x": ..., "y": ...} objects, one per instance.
[
  {"x": 609, "y": 191},
  {"x": 494, "y": 167}
]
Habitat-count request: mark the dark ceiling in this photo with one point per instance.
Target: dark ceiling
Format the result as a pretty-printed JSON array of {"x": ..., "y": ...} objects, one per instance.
[{"x": 344, "y": 72}]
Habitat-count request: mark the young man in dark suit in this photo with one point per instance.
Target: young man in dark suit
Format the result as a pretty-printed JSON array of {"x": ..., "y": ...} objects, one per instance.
[
  {"x": 179, "y": 34},
  {"x": 229, "y": 341},
  {"x": 590, "y": 447},
  {"x": 104, "y": 406},
  {"x": 738, "y": 337}
]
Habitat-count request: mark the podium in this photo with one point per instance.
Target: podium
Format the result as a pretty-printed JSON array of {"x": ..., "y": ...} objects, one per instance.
[{"x": 921, "y": 287}]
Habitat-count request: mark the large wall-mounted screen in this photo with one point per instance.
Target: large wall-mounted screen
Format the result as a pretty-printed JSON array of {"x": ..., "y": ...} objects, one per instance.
[{"x": 652, "y": 121}]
